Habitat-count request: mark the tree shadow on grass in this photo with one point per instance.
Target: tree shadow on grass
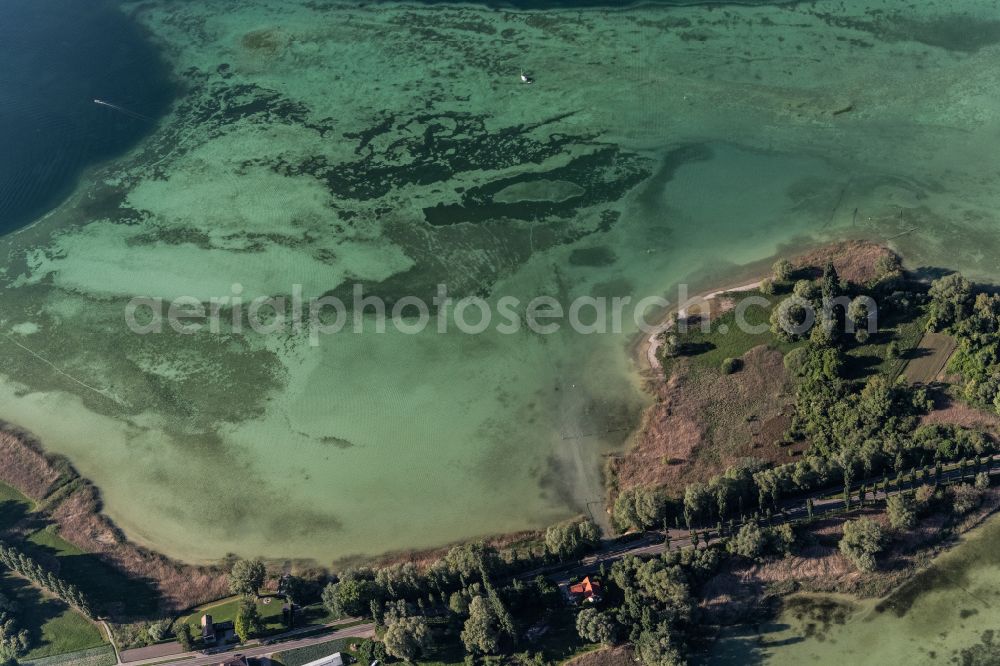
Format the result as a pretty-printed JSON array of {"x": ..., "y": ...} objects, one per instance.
[
  {"x": 14, "y": 515},
  {"x": 109, "y": 590},
  {"x": 861, "y": 367},
  {"x": 916, "y": 352},
  {"x": 33, "y": 608}
]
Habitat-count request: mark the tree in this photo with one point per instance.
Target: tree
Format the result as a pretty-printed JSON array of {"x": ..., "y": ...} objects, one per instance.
[
  {"x": 481, "y": 635},
  {"x": 595, "y": 627},
  {"x": 782, "y": 539},
  {"x": 902, "y": 511},
  {"x": 951, "y": 300},
  {"x": 407, "y": 638},
  {"x": 804, "y": 289},
  {"x": 791, "y": 318},
  {"x": 831, "y": 282},
  {"x": 14, "y": 641},
  {"x": 782, "y": 270},
  {"x": 370, "y": 651},
  {"x": 861, "y": 542},
  {"x": 248, "y": 622},
  {"x": 351, "y": 596},
  {"x": 247, "y": 577},
  {"x": 155, "y": 631},
  {"x": 183, "y": 634},
  {"x": 698, "y": 501},
  {"x": 657, "y": 647},
  {"x": 671, "y": 346},
  {"x": 748, "y": 542},
  {"x": 640, "y": 507},
  {"x": 571, "y": 538}
]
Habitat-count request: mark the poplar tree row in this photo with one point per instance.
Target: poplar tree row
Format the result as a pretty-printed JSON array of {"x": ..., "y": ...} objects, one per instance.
[{"x": 25, "y": 565}]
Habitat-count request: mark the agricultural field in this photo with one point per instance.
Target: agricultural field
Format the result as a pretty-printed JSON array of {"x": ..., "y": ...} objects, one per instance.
[
  {"x": 304, "y": 655},
  {"x": 99, "y": 656},
  {"x": 929, "y": 358}
]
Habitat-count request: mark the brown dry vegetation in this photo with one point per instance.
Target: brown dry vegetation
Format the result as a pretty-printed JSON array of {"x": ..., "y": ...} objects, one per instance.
[
  {"x": 616, "y": 656},
  {"x": 854, "y": 260},
  {"x": 948, "y": 411},
  {"x": 25, "y": 467},
  {"x": 528, "y": 541},
  {"x": 73, "y": 503},
  {"x": 703, "y": 421}
]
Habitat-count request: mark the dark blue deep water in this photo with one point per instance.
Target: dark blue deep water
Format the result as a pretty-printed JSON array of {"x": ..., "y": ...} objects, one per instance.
[{"x": 56, "y": 56}]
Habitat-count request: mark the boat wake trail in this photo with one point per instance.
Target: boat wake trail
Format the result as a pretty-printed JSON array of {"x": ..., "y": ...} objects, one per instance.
[{"x": 122, "y": 109}]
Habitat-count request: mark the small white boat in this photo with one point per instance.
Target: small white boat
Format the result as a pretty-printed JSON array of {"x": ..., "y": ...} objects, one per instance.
[{"x": 525, "y": 78}]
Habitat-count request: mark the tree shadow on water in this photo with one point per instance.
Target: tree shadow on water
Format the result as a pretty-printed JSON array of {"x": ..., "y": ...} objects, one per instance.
[{"x": 745, "y": 645}]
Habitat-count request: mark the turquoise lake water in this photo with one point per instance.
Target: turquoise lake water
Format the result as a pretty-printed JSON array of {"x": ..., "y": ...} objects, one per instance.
[{"x": 392, "y": 145}]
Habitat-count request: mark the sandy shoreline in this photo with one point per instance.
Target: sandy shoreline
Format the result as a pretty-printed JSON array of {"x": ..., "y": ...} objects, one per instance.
[{"x": 650, "y": 343}]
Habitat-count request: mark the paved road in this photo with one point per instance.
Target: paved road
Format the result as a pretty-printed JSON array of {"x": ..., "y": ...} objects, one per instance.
[
  {"x": 201, "y": 659},
  {"x": 790, "y": 510}
]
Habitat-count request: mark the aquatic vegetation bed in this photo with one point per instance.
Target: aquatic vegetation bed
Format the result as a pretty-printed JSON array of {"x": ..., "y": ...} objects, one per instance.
[{"x": 392, "y": 145}]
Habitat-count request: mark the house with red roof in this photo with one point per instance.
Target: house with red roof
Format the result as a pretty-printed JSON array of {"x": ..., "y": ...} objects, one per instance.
[{"x": 586, "y": 591}]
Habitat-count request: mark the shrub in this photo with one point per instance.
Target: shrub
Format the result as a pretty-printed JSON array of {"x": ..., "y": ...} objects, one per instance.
[
  {"x": 923, "y": 497},
  {"x": 965, "y": 498},
  {"x": 731, "y": 365},
  {"x": 748, "y": 542},
  {"x": 782, "y": 539},
  {"x": 862, "y": 541},
  {"x": 782, "y": 270},
  {"x": 902, "y": 511}
]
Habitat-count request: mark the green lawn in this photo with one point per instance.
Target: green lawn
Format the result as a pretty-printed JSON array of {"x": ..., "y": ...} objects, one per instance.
[
  {"x": 868, "y": 359},
  {"x": 54, "y": 627},
  {"x": 227, "y": 610},
  {"x": 727, "y": 340}
]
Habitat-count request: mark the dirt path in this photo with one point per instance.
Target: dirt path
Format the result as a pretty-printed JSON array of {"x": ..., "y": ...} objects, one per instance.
[{"x": 652, "y": 343}]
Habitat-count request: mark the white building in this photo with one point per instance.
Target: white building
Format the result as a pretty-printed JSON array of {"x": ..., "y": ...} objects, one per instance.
[{"x": 335, "y": 659}]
